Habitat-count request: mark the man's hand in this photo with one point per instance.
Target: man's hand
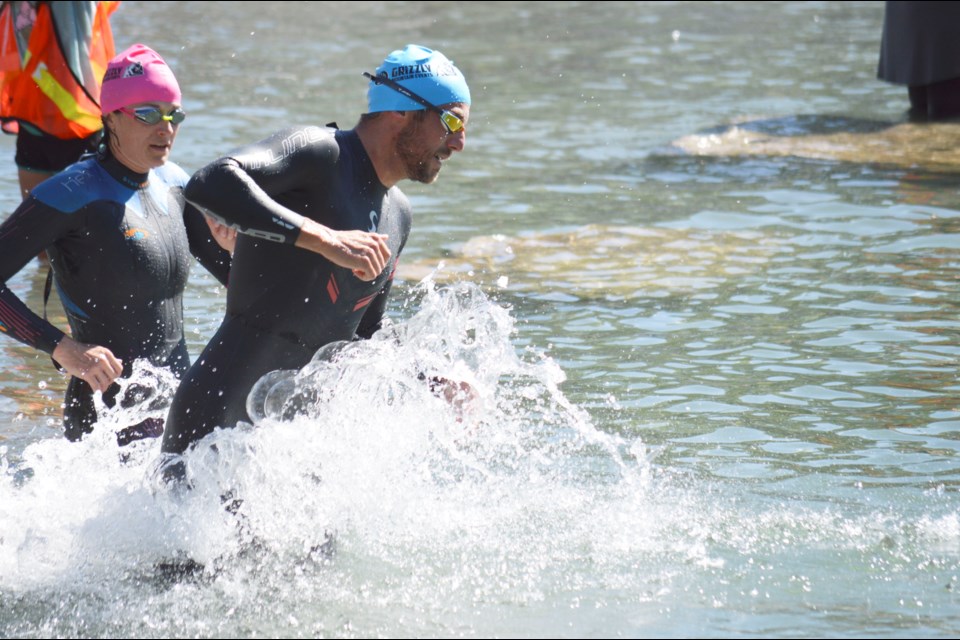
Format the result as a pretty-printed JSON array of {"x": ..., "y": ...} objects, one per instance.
[
  {"x": 223, "y": 235},
  {"x": 461, "y": 395},
  {"x": 95, "y": 365},
  {"x": 364, "y": 253}
]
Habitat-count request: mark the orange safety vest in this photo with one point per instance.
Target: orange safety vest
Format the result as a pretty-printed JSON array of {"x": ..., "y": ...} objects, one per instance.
[{"x": 38, "y": 85}]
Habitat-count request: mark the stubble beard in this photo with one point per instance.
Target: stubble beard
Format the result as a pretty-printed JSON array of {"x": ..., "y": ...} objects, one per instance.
[{"x": 415, "y": 161}]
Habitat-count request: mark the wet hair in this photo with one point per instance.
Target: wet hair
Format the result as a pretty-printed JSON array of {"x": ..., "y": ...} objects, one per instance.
[
  {"x": 103, "y": 148},
  {"x": 419, "y": 115}
]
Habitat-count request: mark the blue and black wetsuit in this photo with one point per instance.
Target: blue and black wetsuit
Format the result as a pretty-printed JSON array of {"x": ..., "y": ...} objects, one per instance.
[
  {"x": 119, "y": 245},
  {"x": 284, "y": 303}
]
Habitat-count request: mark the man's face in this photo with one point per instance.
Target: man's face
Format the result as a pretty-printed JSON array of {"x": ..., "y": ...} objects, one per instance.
[{"x": 424, "y": 144}]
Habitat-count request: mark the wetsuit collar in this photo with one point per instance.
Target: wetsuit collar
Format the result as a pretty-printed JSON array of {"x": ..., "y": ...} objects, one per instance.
[
  {"x": 125, "y": 176},
  {"x": 368, "y": 171}
]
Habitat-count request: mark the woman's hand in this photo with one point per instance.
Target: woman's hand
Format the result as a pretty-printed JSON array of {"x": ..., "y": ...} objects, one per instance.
[
  {"x": 223, "y": 235},
  {"x": 95, "y": 365}
]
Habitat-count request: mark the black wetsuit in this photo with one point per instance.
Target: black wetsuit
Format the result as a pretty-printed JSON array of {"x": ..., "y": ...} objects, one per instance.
[
  {"x": 284, "y": 303},
  {"x": 119, "y": 245}
]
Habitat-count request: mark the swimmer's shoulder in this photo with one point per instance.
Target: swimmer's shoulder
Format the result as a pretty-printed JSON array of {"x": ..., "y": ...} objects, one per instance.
[
  {"x": 292, "y": 145},
  {"x": 81, "y": 184},
  {"x": 172, "y": 174}
]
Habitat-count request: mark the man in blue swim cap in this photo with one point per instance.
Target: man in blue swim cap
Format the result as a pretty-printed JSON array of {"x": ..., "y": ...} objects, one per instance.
[
  {"x": 419, "y": 81},
  {"x": 334, "y": 194}
]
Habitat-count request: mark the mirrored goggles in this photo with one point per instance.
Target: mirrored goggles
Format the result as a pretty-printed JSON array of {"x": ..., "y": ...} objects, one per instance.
[
  {"x": 451, "y": 122},
  {"x": 153, "y": 115}
]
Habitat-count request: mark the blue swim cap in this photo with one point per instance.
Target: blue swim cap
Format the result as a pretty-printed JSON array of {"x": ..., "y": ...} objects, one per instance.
[{"x": 425, "y": 72}]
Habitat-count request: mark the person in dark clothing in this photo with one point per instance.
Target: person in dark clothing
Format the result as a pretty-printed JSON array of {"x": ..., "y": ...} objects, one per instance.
[
  {"x": 322, "y": 224},
  {"x": 118, "y": 235},
  {"x": 920, "y": 48}
]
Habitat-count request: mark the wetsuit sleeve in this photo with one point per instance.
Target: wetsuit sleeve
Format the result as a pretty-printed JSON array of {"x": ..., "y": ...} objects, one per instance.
[
  {"x": 204, "y": 248},
  {"x": 30, "y": 229},
  {"x": 241, "y": 190}
]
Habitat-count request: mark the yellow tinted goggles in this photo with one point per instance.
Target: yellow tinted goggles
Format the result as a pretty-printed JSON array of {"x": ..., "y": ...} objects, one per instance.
[{"x": 451, "y": 122}]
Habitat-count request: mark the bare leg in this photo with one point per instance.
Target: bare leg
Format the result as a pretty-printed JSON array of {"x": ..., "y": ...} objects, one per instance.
[{"x": 30, "y": 179}]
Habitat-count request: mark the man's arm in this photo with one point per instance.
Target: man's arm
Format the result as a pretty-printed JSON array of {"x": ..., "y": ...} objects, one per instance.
[
  {"x": 364, "y": 253},
  {"x": 225, "y": 191},
  {"x": 239, "y": 191}
]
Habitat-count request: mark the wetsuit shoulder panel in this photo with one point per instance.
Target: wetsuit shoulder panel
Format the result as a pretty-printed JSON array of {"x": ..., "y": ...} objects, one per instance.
[
  {"x": 172, "y": 174},
  {"x": 286, "y": 154},
  {"x": 78, "y": 185}
]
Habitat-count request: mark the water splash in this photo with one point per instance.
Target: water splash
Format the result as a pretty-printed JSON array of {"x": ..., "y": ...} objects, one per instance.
[
  {"x": 387, "y": 438},
  {"x": 363, "y": 502}
]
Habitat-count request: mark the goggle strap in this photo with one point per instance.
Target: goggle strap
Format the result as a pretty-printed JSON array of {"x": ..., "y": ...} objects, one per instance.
[
  {"x": 445, "y": 116},
  {"x": 146, "y": 115}
]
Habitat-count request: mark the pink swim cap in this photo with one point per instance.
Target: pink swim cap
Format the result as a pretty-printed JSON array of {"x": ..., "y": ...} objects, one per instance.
[{"x": 137, "y": 75}]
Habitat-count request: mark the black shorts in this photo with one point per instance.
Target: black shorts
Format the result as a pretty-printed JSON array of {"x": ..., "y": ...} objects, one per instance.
[{"x": 44, "y": 153}]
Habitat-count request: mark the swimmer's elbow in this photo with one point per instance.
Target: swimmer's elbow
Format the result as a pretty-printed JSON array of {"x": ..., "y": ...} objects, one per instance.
[{"x": 207, "y": 187}]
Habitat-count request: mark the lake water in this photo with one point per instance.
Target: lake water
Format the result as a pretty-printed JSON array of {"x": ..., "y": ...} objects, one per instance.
[{"x": 704, "y": 276}]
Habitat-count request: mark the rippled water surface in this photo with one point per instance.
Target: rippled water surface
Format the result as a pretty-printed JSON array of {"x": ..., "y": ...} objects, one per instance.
[{"x": 703, "y": 275}]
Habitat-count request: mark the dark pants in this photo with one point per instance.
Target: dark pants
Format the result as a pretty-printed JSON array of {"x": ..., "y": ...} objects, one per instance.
[{"x": 937, "y": 101}]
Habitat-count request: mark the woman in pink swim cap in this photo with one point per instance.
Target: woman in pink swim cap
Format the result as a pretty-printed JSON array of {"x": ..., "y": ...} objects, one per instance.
[
  {"x": 119, "y": 235},
  {"x": 140, "y": 89}
]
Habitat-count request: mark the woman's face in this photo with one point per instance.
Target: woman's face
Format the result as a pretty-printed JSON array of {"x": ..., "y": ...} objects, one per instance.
[{"x": 137, "y": 145}]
